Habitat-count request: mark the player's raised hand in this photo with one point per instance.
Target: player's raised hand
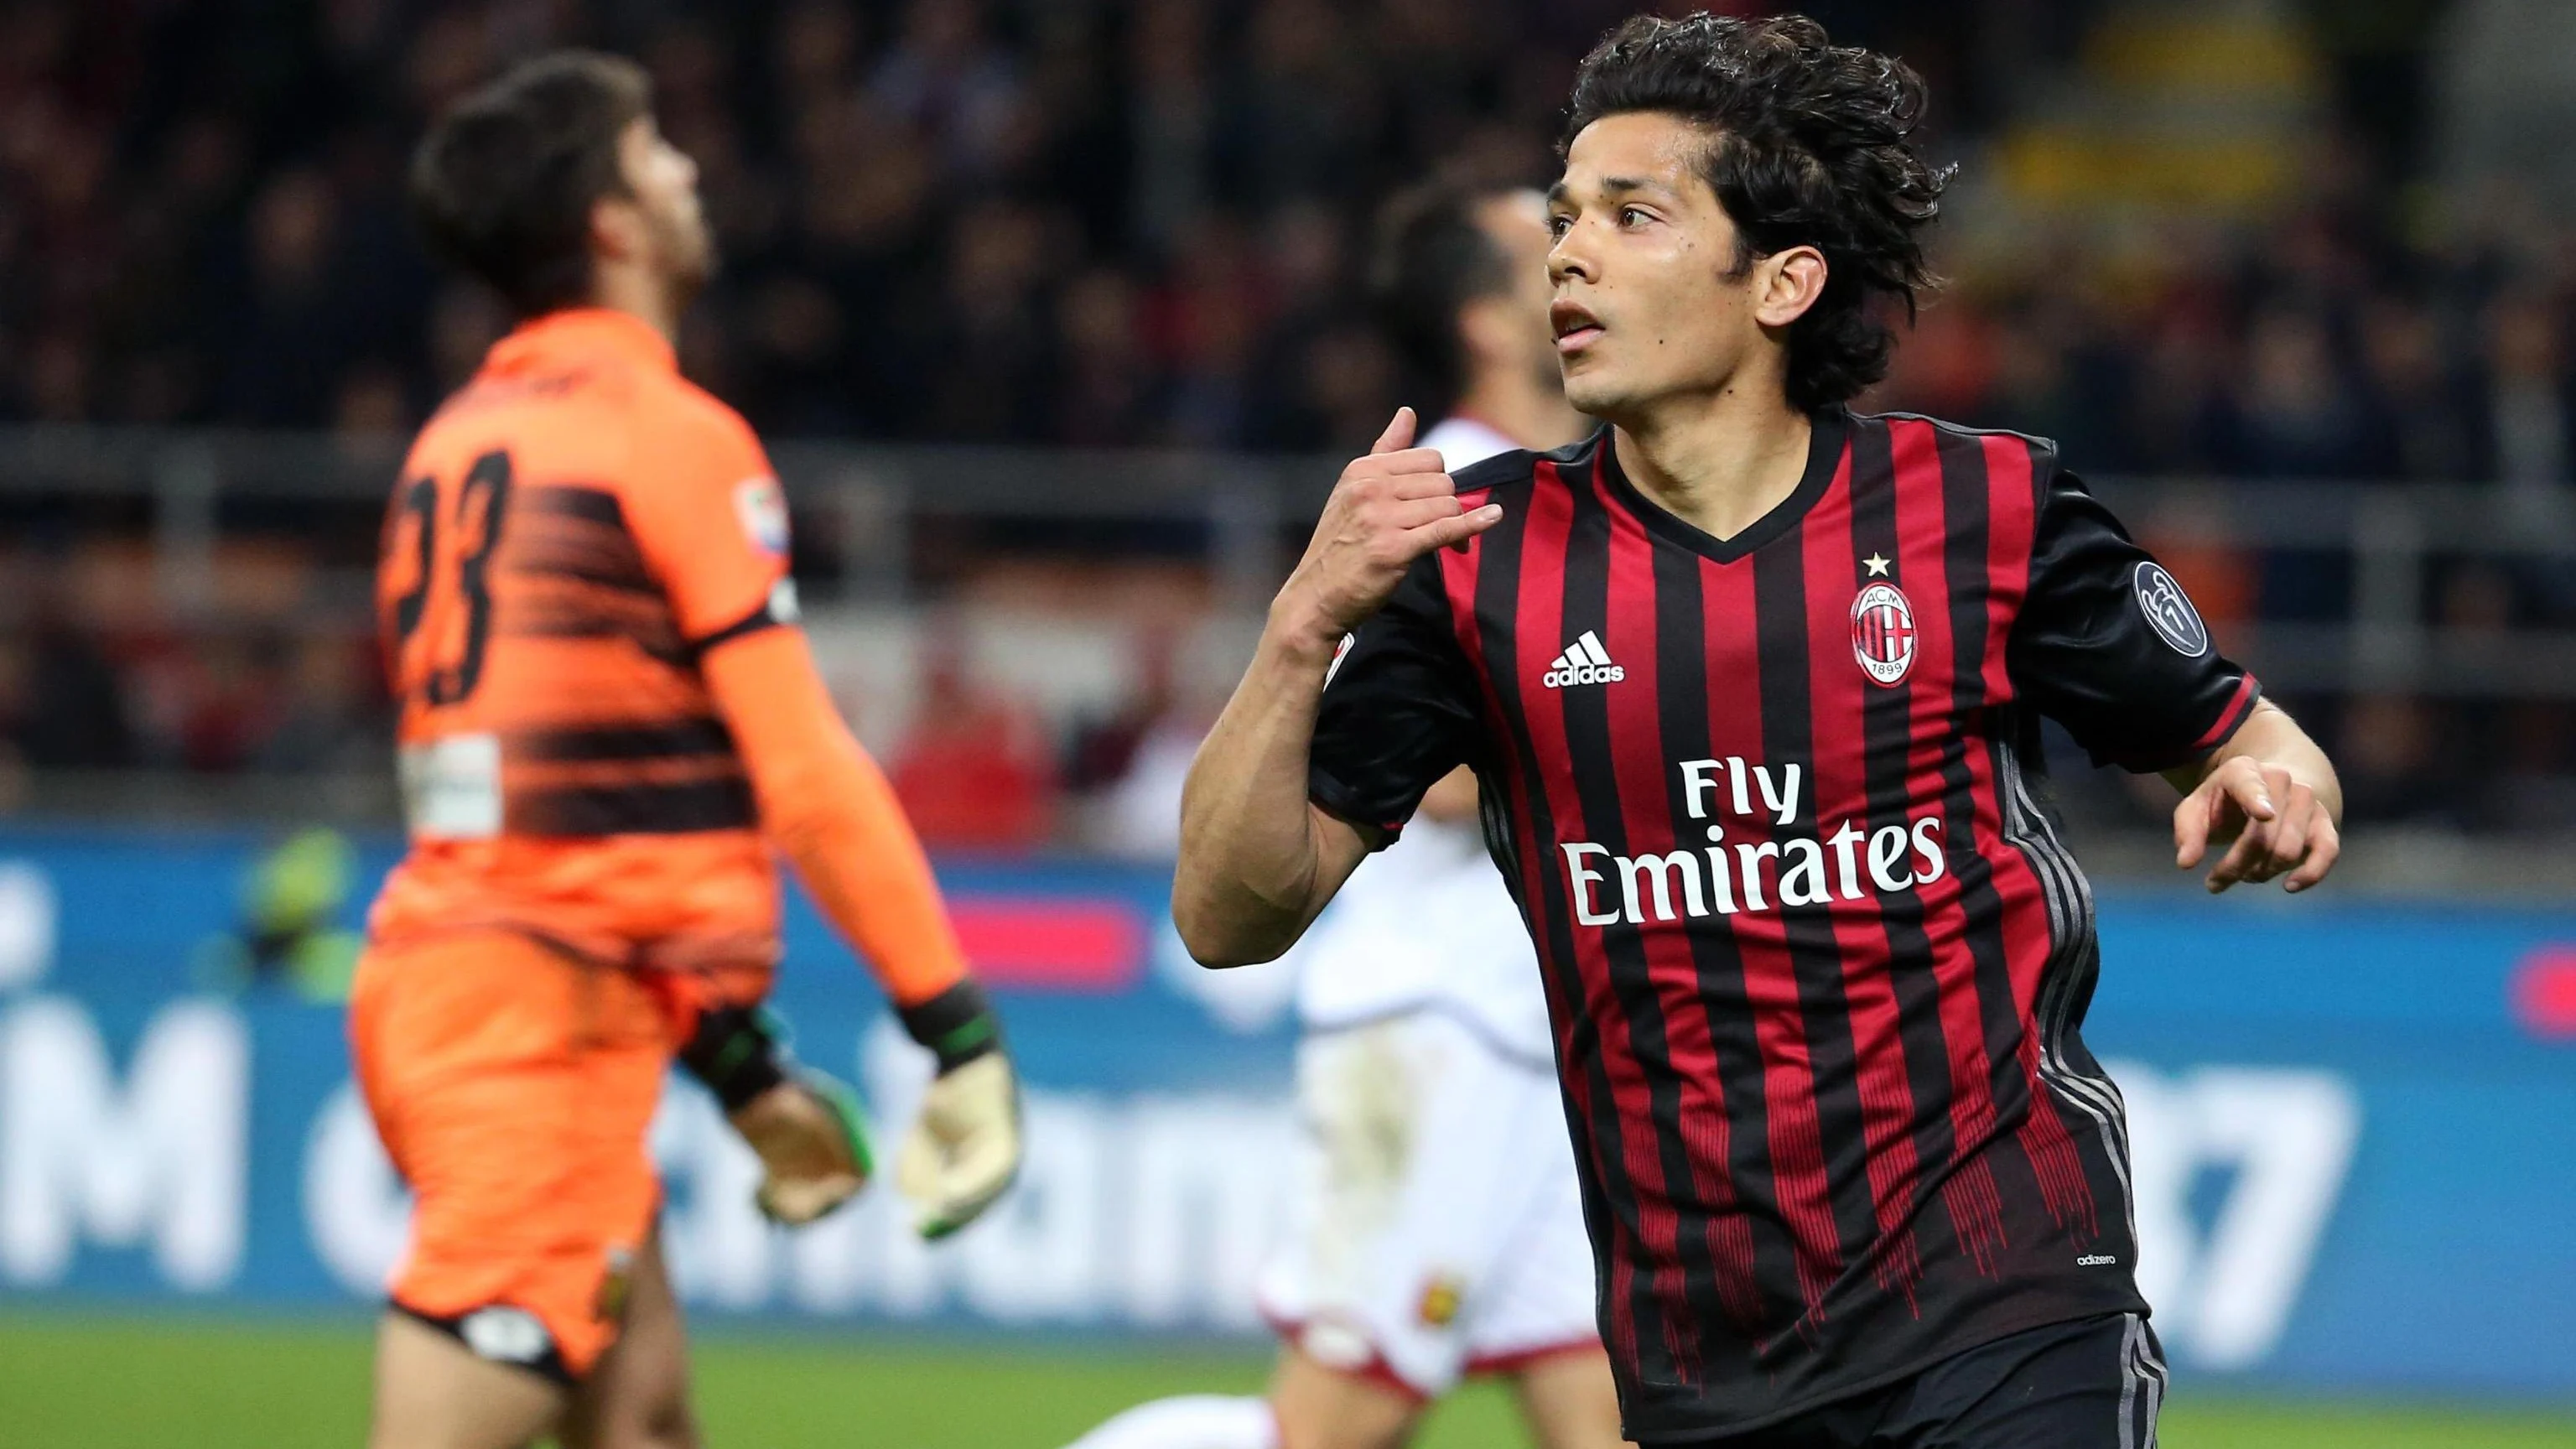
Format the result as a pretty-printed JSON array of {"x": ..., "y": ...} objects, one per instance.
[
  {"x": 2276, "y": 825},
  {"x": 1391, "y": 507}
]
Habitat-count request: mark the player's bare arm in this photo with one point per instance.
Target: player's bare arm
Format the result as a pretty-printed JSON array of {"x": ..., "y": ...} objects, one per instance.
[
  {"x": 1257, "y": 860},
  {"x": 2271, "y": 792}
]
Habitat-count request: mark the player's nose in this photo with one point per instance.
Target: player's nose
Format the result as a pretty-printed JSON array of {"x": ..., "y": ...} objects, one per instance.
[{"x": 1568, "y": 258}]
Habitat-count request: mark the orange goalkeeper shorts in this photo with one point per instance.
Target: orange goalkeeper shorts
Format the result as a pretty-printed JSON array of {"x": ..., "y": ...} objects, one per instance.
[{"x": 514, "y": 1086}]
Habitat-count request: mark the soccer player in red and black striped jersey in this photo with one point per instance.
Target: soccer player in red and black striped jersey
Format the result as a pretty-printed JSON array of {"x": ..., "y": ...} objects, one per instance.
[{"x": 1752, "y": 684}]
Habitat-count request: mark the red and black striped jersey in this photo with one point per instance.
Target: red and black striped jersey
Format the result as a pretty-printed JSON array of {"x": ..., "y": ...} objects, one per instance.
[{"x": 1816, "y": 960}]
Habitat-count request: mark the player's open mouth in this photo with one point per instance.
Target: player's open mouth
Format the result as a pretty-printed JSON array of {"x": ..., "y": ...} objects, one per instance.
[{"x": 1574, "y": 327}]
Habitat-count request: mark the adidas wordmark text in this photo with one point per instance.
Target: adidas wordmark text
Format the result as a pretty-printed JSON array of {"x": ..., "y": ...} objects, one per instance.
[{"x": 1583, "y": 662}]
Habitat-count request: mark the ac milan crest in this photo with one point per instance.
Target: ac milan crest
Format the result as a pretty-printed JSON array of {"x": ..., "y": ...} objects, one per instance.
[{"x": 1882, "y": 624}]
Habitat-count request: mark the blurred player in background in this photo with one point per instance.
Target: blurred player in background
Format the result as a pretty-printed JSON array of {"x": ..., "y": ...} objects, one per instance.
[
  {"x": 608, "y": 723},
  {"x": 1752, "y": 681},
  {"x": 1437, "y": 1229}
]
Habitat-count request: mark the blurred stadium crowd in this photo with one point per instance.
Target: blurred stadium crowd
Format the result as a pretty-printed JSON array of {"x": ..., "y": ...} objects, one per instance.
[{"x": 1090, "y": 223}]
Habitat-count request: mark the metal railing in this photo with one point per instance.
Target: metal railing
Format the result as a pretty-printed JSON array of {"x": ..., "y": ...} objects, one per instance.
[{"x": 864, "y": 509}]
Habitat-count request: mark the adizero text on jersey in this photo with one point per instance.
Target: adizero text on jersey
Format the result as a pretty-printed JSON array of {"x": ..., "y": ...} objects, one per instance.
[{"x": 1815, "y": 961}]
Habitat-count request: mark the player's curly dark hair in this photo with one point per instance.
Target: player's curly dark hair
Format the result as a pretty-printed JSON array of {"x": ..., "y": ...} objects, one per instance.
[
  {"x": 503, "y": 183},
  {"x": 1813, "y": 145}
]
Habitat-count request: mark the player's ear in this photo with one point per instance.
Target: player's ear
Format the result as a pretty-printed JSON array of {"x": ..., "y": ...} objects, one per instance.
[
  {"x": 1791, "y": 281},
  {"x": 617, "y": 230}
]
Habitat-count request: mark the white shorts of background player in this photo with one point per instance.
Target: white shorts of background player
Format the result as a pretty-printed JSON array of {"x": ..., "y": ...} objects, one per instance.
[{"x": 1436, "y": 1227}]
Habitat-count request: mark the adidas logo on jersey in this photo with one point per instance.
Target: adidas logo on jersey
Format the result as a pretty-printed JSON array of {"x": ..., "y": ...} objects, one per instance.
[{"x": 1583, "y": 662}]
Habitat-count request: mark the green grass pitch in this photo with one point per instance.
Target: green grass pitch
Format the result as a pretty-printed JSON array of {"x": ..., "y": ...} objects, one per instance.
[{"x": 120, "y": 1382}]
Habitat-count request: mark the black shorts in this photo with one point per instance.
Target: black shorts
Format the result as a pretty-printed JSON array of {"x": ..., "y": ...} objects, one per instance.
[
  {"x": 2092, "y": 1384},
  {"x": 510, "y": 1337}
]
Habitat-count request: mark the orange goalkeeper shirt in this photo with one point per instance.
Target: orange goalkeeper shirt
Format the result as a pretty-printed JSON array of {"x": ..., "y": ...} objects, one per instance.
[{"x": 575, "y": 531}]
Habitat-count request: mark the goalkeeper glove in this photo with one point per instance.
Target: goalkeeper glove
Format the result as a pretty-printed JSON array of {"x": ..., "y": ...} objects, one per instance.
[
  {"x": 806, "y": 1127},
  {"x": 965, "y": 1146}
]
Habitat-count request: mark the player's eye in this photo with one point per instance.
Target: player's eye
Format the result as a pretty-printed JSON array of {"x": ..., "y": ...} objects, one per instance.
[
  {"x": 1559, "y": 224},
  {"x": 1633, "y": 216}
]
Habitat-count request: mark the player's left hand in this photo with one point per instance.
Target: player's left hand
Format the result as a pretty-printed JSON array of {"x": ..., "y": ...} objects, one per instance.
[
  {"x": 965, "y": 1146},
  {"x": 812, "y": 1145},
  {"x": 2276, "y": 825}
]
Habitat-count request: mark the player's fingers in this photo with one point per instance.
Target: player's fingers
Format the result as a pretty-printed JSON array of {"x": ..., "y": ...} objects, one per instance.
[
  {"x": 2207, "y": 816},
  {"x": 2239, "y": 859},
  {"x": 2243, "y": 781},
  {"x": 2285, "y": 841},
  {"x": 2191, "y": 828},
  {"x": 1398, "y": 434},
  {"x": 1415, "y": 473},
  {"x": 1403, "y": 463},
  {"x": 2298, "y": 823},
  {"x": 1412, "y": 513},
  {"x": 1447, "y": 532},
  {"x": 2325, "y": 846}
]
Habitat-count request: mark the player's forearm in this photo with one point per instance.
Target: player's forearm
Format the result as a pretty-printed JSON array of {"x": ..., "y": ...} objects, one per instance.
[
  {"x": 830, "y": 811},
  {"x": 1252, "y": 866},
  {"x": 2270, "y": 738},
  {"x": 858, "y": 855}
]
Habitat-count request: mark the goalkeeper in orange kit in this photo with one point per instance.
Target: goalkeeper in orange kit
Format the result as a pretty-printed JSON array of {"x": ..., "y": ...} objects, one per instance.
[{"x": 609, "y": 723}]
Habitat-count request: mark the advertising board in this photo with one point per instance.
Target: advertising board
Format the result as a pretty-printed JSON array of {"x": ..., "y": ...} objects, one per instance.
[{"x": 2354, "y": 1125}]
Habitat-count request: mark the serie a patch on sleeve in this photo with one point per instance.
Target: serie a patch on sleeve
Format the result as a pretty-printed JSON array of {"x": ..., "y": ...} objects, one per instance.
[
  {"x": 2169, "y": 611},
  {"x": 762, "y": 507}
]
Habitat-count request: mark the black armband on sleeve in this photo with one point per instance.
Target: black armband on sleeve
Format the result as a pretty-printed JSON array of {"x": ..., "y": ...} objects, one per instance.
[
  {"x": 958, "y": 1025},
  {"x": 776, "y": 611},
  {"x": 737, "y": 1054}
]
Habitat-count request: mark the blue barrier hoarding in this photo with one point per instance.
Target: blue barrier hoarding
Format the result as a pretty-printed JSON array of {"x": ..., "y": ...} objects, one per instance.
[{"x": 2354, "y": 1124}]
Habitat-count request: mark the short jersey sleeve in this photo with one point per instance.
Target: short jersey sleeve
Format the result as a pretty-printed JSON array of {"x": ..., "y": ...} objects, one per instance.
[
  {"x": 708, "y": 514},
  {"x": 2108, "y": 645},
  {"x": 1398, "y": 711}
]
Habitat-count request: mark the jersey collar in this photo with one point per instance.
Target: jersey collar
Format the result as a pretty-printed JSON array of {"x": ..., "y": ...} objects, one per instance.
[
  {"x": 1830, "y": 429},
  {"x": 583, "y": 331}
]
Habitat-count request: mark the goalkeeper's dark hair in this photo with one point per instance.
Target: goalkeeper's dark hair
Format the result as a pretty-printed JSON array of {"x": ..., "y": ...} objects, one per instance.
[
  {"x": 1811, "y": 144},
  {"x": 1431, "y": 258},
  {"x": 504, "y": 182}
]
